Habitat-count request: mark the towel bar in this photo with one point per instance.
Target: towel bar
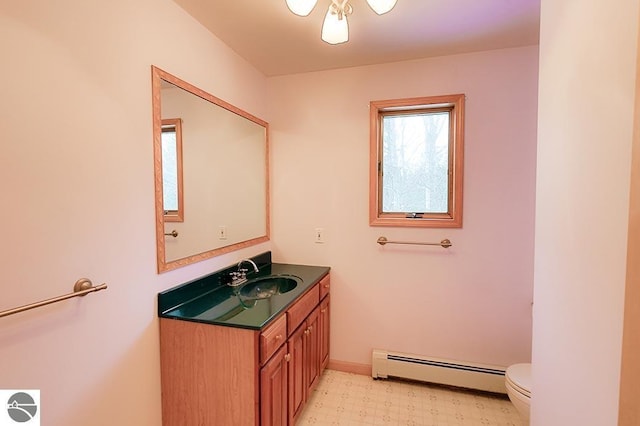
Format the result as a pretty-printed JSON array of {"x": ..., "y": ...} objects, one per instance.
[
  {"x": 82, "y": 287},
  {"x": 444, "y": 243}
]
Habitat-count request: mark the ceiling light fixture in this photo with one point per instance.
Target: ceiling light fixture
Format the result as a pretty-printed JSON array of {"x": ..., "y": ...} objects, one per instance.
[
  {"x": 301, "y": 7},
  {"x": 335, "y": 28}
]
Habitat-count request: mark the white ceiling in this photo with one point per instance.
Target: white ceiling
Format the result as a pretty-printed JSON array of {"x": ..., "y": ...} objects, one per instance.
[{"x": 277, "y": 42}]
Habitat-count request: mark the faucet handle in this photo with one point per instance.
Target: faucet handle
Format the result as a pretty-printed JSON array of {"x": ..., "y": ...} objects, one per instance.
[{"x": 237, "y": 278}]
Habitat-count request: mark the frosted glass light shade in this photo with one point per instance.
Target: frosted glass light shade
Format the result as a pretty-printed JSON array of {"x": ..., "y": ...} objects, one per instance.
[
  {"x": 301, "y": 7},
  {"x": 381, "y": 6},
  {"x": 335, "y": 30}
]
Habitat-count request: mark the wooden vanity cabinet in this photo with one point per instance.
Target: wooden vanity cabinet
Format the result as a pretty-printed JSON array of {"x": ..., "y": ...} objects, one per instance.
[
  {"x": 323, "y": 321},
  {"x": 296, "y": 392},
  {"x": 304, "y": 365},
  {"x": 272, "y": 337},
  {"x": 209, "y": 374},
  {"x": 274, "y": 389},
  {"x": 309, "y": 348},
  {"x": 324, "y": 332},
  {"x": 220, "y": 375}
]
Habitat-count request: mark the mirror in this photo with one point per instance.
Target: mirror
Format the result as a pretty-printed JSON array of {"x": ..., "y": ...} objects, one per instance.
[{"x": 220, "y": 191}]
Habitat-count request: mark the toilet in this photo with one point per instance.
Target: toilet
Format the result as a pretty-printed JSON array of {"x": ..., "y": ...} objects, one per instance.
[{"x": 518, "y": 384}]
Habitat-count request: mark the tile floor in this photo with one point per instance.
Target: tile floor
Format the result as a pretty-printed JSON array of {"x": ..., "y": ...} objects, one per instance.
[{"x": 351, "y": 399}]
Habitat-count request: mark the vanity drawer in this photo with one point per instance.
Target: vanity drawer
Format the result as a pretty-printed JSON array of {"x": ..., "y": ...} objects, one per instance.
[
  {"x": 303, "y": 307},
  {"x": 324, "y": 287},
  {"x": 272, "y": 338}
]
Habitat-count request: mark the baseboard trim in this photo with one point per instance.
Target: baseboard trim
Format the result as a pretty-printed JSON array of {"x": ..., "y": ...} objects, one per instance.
[{"x": 350, "y": 367}]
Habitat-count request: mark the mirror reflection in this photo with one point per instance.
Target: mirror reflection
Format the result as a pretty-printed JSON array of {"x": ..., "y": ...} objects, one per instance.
[
  {"x": 172, "y": 189},
  {"x": 211, "y": 174}
]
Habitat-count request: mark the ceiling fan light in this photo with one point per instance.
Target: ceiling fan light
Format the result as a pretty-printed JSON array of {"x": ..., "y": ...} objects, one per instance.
[
  {"x": 335, "y": 29},
  {"x": 381, "y": 6},
  {"x": 301, "y": 7}
]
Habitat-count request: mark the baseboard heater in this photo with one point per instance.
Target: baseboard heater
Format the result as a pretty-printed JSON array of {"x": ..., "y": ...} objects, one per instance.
[{"x": 414, "y": 367}]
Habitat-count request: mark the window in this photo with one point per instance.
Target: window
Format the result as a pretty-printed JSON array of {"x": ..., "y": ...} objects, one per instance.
[
  {"x": 416, "y": 162},
  {"x": 172, "y": 201}
]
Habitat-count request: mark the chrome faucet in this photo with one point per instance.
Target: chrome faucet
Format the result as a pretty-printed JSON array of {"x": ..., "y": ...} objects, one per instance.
[
  {"x": 240, "y": 276},
  {"x": 255, "y": 267}
]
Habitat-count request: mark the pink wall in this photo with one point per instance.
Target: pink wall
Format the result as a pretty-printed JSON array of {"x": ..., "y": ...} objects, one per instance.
[
  {"x": 471, "y": 302},
  {"x": 77, "y": 189},
  {"x": 587, "y": 89}
]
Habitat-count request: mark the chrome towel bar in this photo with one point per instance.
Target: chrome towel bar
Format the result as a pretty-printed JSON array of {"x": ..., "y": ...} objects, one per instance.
[
  {"x": 82, "y": 286},
  {"x": 444, "y": 243}
]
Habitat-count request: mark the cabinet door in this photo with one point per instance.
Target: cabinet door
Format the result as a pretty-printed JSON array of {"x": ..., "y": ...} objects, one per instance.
[
  {"x": 274, "y": 390},
  {"x": 312, "y": 350},
  {"x": 323, "y": 322},
  {"x": 297, "y": 387}
]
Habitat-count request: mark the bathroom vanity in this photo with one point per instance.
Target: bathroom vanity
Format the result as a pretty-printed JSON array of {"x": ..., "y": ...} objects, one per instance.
[{"x": 244, "y": 355}]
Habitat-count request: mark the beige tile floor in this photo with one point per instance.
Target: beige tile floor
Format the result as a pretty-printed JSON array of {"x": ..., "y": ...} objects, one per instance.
[{"x": 349, "y": 399}]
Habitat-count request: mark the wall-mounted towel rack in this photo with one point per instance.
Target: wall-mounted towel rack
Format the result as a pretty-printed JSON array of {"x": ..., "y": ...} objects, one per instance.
[
  {"x": 82, "y": 286},
  {"x": 173, "y": 233},
  {"x": 444, "y": 243}
]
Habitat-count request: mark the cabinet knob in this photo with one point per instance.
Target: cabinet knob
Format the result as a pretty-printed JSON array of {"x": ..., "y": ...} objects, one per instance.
[
  {"x": 279, "y": 337},
  {"x": 307, "y": 331},
  {"x": 287, "y": 357},
  {"x": 310, "y": 328},
  {"x": 323, "y": 310},
  {"x": 326, "y": 286}
]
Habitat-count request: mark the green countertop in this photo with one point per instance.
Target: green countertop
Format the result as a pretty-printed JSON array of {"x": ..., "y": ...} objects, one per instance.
[{"x": 206, "y": 300}]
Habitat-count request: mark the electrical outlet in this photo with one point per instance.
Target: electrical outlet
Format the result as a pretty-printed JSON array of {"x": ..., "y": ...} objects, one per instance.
[
  {"x": 319, "y": 238},
  {"x": 222, "y": 233}
]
